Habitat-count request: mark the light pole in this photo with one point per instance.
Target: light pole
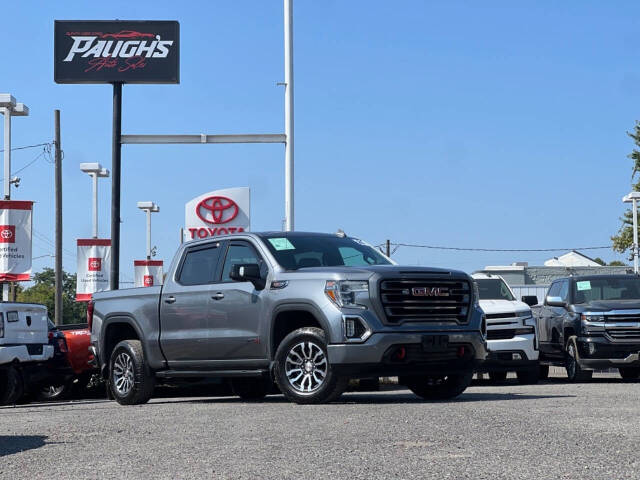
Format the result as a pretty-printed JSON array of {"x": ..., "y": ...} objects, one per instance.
[
  {"x": 95, "y": 171},
  {"x": 149, "y": 208},
  {"x": 288, "y": 117},
  {"x": 9, "y": 109},
  {"x": 633, "y": 198}
]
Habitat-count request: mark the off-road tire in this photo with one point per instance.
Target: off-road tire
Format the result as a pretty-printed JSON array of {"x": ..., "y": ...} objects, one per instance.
[
  {"x": 629, "y": 373},
  {"x": 143, "y": 381},
  {"x": 497, "y": 377},
  {"x": 575, "y": 373},
  {"x": 444, "y": 387},
  {"x": 331, "y": 387},
  {"x": 528, "y": 376},
  {"x": 11, "y": 386},
  {"x": 251, "y": 388}
]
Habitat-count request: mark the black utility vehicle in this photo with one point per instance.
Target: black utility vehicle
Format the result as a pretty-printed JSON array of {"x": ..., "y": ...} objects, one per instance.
[{"x": 591, "y": 322}]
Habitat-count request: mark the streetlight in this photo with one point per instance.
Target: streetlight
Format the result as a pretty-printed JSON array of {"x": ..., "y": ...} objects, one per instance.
[
  {"x": 149, "y": 208},
  {"x": 10, "y": 108},
  {"x": 95, "y": 171},
  {"x": 633, "y": 198}
]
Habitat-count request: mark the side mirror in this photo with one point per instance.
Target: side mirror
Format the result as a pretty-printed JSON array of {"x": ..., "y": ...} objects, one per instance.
[
  {"x": 248, "y": 272},
  {"x": 556, "y": 302},
  {"x": 530, "y": 300}
]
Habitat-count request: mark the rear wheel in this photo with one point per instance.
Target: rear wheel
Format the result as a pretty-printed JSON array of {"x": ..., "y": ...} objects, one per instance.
[
  {"x": 250, "y": 388},
  {"x": 130, "y": 379},
  {"x": 54, "y": 392},
  {"x": 302, "y": 369},
  {"x": 629, "y": 373},
  {"x": 497, "y": 377},
  {"x": 11, "y": 386},
  {"x": 438, "y": 387},
  {"x": 528, "y": 376},
  {"x": 575, "y": 373}
]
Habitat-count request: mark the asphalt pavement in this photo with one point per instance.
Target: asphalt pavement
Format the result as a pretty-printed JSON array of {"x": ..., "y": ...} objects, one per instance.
[{"x": 547, "y": 431}]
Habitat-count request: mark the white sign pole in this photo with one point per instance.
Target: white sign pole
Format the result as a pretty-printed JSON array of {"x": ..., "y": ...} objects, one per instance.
[{"x": 288, "y": 115}]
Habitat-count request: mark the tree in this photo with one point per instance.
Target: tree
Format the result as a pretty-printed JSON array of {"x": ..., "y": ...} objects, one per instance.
[
  {"x": 600, "y": 261},
  {"x": 43, "y": 291},
  {"x": 623, "y": 241}
]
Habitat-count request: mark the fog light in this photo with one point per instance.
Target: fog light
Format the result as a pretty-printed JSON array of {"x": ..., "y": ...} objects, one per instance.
[
  {"x": 350, "y": 327},
  {"x": 592, "y": 348},
  {"x": 516, "y": 356},
  {"x": 355, "y": 329}
]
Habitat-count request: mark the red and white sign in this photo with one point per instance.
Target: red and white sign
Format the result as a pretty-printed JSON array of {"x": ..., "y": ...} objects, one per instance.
[
  {"x": 94, "y": 267},
  {"x": 15, "y": 240},
  {"x": 217, "y": 213},
  {"x": 147, "y": 273}
]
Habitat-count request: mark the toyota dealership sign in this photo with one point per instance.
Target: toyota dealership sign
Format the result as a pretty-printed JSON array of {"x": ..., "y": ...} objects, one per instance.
[
  {"x": 217, "y": 213},
  {"x": 94, "y": 267},
  {"x": 15, "y": 240},
  {"x": 116, "y": 51}
]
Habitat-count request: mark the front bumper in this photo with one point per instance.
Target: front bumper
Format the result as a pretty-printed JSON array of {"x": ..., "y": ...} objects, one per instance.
[
  {"x": 599, "y": 352},
  {"x": 378, "y": 355},
  {"x": 501, "y": 354}
]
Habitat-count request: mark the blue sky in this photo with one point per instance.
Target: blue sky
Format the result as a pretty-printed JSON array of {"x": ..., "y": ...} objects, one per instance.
[{"x": 493, "y": 124}]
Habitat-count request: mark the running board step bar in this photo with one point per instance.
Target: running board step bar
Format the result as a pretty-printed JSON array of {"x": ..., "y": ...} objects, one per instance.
[{"x": 210, "y": 373}]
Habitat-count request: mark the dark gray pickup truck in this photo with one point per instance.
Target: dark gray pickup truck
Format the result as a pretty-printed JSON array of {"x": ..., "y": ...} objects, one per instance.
[
  {"x": 307, "y": 310},
  {"x": 591, "y": 322}
]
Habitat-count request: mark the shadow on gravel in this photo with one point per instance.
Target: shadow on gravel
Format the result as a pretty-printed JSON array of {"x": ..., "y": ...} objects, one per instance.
[{"x": 10, "y": 444}]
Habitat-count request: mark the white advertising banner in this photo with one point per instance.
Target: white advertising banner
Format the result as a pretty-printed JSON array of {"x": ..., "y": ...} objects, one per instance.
[
  {"x": 217, "y": 213},
  {"x": 94, "y": 267},
  {"x": 15, "y": 240},
  {"x": 147, "y": 273}
]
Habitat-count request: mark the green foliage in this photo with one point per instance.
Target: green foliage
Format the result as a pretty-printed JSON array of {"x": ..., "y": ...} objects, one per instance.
[
  {"x": 44, "y": 291},
  {"x": 617, "y": 263},
  {"x": 623, "y": 241},
  {"x": 600, "y": 261}
]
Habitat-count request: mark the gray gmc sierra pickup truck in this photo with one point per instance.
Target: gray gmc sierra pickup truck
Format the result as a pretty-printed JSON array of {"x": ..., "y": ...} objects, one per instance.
[{"x": 307, "y": 310}]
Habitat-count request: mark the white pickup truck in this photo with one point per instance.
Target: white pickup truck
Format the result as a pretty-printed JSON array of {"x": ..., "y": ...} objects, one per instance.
[
  {"x": 511, "y": 332},
  {"x": 24, "y": 346}
]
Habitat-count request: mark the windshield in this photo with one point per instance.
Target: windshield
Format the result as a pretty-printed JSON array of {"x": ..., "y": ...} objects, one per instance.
[
  {"x": 304, "y": 251},
  {"x": 594, "y": 289},
  {"x": 493, "y": 289}
]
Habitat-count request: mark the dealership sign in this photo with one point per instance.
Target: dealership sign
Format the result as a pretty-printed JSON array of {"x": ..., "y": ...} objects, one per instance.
[
  {"x": 116, "y": 51},
  {"x": 147, "y": 273},
  {"x": 217, "y": 213},
  {"x": 15, "y": 240},
  {"x": 94, "y": 267}
]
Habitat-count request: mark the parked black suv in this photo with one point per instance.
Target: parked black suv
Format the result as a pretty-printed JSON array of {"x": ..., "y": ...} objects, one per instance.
[{"x": 591, "y": 322}]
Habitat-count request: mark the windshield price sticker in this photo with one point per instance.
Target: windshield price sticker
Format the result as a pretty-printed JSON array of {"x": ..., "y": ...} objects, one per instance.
[
  {"x": 281, "y": 244},
  {"x": 584, "y": 285}
]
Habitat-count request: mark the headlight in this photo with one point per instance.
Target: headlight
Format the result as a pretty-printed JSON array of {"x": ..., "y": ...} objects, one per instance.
[
  {"x": 523, "y": 314},
  {"x": 347, "y": 293},
  {"x": 592, "y": 323}
]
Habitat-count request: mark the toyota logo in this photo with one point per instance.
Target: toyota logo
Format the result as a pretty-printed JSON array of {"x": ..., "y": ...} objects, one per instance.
[
  {"x": 6, "y": 234},
  {"x": 95, "y": 264},
  {"x": 217, "y": 210}
]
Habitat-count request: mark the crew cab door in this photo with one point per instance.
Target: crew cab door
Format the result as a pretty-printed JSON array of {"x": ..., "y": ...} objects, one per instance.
[
  {"x": 240, "y": 307},
  {"x": 544, "y": 320},
  {"x": 187, "y": 320}
]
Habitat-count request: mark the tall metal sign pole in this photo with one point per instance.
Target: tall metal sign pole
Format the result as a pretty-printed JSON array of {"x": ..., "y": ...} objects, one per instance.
[
  {"x": 58, "y": 273},
  {"x": 116, "y": 163},
  {"x": 288, "y": 115}
]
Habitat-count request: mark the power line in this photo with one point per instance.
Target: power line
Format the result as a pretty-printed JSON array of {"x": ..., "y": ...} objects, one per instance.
[
  {"x": 434, "y": 247},
  {"x": 29, "y": 146}
]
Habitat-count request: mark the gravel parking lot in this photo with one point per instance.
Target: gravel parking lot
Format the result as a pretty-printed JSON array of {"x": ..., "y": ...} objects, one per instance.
[{"x": 552, "y": 430}]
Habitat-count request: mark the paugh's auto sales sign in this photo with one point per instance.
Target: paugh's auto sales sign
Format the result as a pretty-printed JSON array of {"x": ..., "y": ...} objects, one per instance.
[
  {"x": 94, "y": 267},
  {"x": 221, "y": 212},
  {"x": 15, "y": 240},
  {"x": 116, "y": 51}
]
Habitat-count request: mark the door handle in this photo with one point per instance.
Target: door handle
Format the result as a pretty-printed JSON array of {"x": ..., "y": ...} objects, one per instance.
[
  {"x": 218, "y": 296},
  {"x": 170, "y": 299}
]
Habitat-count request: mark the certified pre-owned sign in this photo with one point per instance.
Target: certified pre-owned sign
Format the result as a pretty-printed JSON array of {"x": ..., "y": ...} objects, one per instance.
[{"x": 117, "y": 51}]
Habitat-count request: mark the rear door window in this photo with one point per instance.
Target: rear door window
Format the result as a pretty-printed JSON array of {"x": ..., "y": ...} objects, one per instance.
[
  {"x": 12, "y": 316},
  {"x": 199, "y": 266}
]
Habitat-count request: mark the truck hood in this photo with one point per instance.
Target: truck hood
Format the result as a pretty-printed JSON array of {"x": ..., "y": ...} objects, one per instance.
[
  {"x": 606, "y": 305},
  {"x": 386, "y": 270},
  {"x": 503, "y": 306}
]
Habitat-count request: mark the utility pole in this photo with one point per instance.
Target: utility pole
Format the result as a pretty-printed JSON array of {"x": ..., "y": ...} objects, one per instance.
[
  {"x": 288, "y": 116},
  {"x": 58, "y": 188}
]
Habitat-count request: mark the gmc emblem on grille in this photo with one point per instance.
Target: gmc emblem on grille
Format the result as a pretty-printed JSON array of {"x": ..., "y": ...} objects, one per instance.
[{"x": 429, "y": 292}]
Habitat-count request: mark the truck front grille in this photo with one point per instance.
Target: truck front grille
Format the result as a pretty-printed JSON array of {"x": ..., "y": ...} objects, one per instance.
[
  {"x": 505, "y": 334},
  {"x": 623, "y": 327},
  {"x": 425, "y": 300}
]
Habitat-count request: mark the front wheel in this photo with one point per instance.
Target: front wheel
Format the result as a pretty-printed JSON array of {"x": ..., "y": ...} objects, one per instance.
[
  {"x": 575, "y": 373},
  {"x": 529, "y": 376},
  {"x": 11, "y": 386},
  {"x": 543, "y": 373},
  {"x": 302, "y": 369},
  {"x": 497, "y": 377},
  {"x": 629, "y": 373},
  {"x": 130, "y": 379},
  {"x": 438, "y": 387}
]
